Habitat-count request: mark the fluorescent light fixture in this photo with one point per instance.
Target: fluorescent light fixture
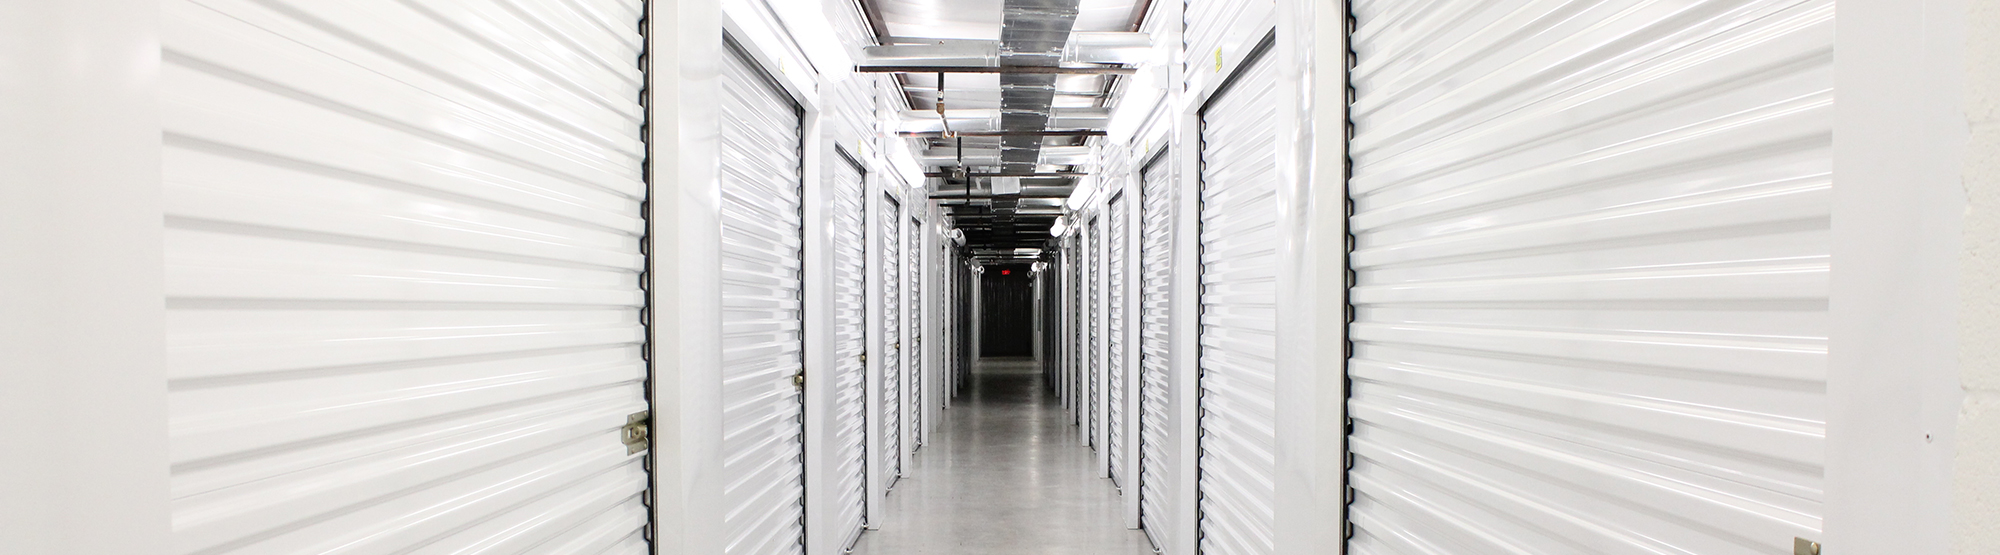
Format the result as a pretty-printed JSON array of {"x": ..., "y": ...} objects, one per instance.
[
  {"x": 1078, "y": 118},
  {"x": 806, "y": 20},
  {"x": 949, "y": 156},
  {"x": 923, "y": 121},
  {"x": 1065, "y": 155},
  {"x": 1107, "y": 47},
  {"x": 1006, "y": 185},
  {"x": 1142, "y": 95},
  {"x": 1084, "y": 189},
  {"x": 944, "y": 53}
]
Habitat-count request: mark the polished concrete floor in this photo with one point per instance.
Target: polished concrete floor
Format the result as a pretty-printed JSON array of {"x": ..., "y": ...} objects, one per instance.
[{"x": 1003, "y": 474}]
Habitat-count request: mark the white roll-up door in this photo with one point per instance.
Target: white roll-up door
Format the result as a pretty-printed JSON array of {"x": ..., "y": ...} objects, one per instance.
[
  {"x": 914, "y": 266},
  {"x": 1156, "y": 258},
  {"x": 847, "y": 216},
  {"x": 1592, "y": 253},
  {"x": 1211, "y": 28},
  {"x": 1239, "y": 242},
  {"x": 1093, "y": 277},
  {"x": 1079, "y": 334},
  {"x": 762, "y": 314},
  {"x": 888, "y": 229},
  {"x": 1072, "y": 330},
  {"x": 403, "y": 266},
  {"x": 954, "y": 310},
  {"x": 1114, "y": 328}
]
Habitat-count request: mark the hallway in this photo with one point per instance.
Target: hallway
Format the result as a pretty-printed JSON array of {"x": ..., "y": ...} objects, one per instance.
[{"x": 1003, "y": 475}]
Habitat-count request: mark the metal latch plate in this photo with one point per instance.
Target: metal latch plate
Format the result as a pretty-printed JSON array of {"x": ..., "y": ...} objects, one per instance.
[{"x": 637, "y": 432}]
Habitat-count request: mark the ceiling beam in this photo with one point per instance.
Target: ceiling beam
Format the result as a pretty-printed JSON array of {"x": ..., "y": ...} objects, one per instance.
[
  {"x": 876, "y": 22},
  {"x": 1018, "y": 133},
  {"x": 949, "y": 196},
  {"x": 1003, "y": 70},
  {"x": 1010, "y": 174},
  {"x": 1139, "y": 10}
]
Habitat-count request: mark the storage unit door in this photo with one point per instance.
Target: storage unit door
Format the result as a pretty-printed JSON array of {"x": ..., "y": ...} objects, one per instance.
[
  {"x": 1071, "y": 314},
  {"x": 914, "y": 265},
  {"x": 402, "y": 256},
  {"x": 1114, "y": 355},
  {"x": 762, "y": 319},
  {"x": 1238, "y": 313},
  {"x": 1592, "y": 253},
  {"x": 1093, "y": 358},
  {"x": 848, "y": 455},
  {"x": 889, "y": 232},
  {"x": 1156, "y": 258},
  {"x": 947, "y": 335},
  {"x": 1079, "y": 336}
]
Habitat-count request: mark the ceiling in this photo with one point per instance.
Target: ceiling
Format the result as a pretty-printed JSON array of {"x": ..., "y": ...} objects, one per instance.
[{"x": 1004, "y": 126}]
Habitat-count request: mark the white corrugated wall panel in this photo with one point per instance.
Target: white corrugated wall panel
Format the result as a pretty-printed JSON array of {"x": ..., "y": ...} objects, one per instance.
[
  {"x": 1592, "y": 255},
  {"x": 402, "y": 276},
  {"x": 1115, "y": 271},
  {"x": 762, "y": 314},
  {"x": 1156, "y": 231},
  {"x": 914, "y": 266},
  {"x": 889, "y": 232},
  {"x": 847, "y": 216},
  {"x": 1239, "y": 242}
]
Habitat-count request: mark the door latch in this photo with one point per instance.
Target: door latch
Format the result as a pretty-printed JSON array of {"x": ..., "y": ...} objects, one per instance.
[
  {"x": 1802, "y": 546},
  {"x": 799, "y": 380},
  {"x": 636, "y": 432},
  {"x": 864, "y": 358}
]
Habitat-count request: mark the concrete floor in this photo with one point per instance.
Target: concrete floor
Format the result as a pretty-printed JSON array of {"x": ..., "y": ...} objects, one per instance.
[{"x": 1003, "y": 474}]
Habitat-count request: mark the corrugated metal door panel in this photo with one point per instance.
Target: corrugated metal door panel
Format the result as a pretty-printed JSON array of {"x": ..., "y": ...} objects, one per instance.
[
  {"x": 953, "y": 334},
  {"x": 1239, "y": 240},
  {"x": 402, "y": 276},
  {"x": 915, "y": 265},
  {"x": 889, "y": 233},
  {"x": 1592, "y": 253},
  {"x": 1062, "y": 315},
  {"x": 847, "y": 215},
  {"x": 1080, "y": 337},
  {"x": 1114, "y": 302},
  {"x": 1156, "y": 231},
  {"x": 947, "y": 336},
  {"x": 1077, "y": 326},
  {"x": 1209, "y": 23},
  {"x": 1079, "y": 334},
  {"x": 1093, "y": 278},
  {"x": 762, "y": 319}
]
